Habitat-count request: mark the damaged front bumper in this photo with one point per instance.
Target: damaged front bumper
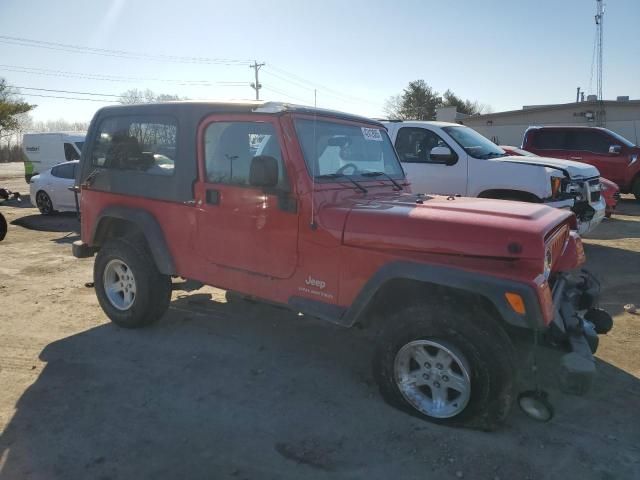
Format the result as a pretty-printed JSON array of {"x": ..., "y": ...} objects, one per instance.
[{"x": 577, "y": 322}]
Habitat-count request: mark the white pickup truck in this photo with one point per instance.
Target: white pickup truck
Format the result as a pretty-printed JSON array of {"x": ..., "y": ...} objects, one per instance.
[{"x": 451, "y": 159}]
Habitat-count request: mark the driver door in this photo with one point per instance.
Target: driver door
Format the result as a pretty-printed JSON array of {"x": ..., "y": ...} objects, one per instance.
[{"x": 240, "y": 226}]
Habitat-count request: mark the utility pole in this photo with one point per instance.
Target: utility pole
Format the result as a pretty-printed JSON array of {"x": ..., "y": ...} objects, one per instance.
[
  {"x": 599, "y": 26},
  {"x": 599, "y": 17},
  {"x": 256, "y": 85}
]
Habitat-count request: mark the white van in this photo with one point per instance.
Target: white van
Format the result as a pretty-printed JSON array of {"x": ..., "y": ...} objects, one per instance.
[{"x": 44, "y": 150}]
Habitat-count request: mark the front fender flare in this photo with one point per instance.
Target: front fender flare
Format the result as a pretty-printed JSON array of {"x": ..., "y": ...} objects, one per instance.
[{"x": 492, "y": 288}]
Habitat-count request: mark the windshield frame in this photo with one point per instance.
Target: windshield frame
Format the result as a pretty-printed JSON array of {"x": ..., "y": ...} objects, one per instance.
[
  {"x": 498, "y": 154},
  {"x": 400, "y": 176},
  {"x": 625, "y": 141}
]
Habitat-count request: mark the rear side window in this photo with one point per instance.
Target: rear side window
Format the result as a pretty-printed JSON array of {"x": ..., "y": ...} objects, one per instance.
[
  {"x": 587, "y": 140},
  {"x": 145, "y": 144},
  {"x": 550, "y": 140},
  {"x": 70, "y": 153},
  {"x": 64, "y": 171}
]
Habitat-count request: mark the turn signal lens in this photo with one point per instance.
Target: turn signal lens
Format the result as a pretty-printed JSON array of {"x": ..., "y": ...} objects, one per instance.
[
  {"x": 516, "y": 302},
  {"x": 556, "y": 183}
]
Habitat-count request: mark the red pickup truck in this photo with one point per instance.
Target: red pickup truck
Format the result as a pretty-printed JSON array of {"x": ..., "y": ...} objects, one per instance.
[
  {"x": 310, "y": 208},
  {"x": 613, "y": 155}
]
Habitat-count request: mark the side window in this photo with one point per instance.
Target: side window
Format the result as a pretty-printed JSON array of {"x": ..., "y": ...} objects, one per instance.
[
  {"x": 64, "y": 171},
  {"x": 140, "y": 143},
  {"x": 550, "y": 140},
  {"x": 589, "y": 141},
  {"x": 230, "y": 146},
  {"x": 70, "y": 153},
  {"x": 414, "y": 144}
]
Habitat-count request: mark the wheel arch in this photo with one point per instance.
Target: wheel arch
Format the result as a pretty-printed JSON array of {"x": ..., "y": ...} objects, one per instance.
[
  {"x": 397, "y": 284},
  {"x": 511, "y": 194},
  {"x": 118, "y": 222}
]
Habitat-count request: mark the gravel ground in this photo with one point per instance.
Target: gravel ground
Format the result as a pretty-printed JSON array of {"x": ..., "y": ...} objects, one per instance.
[{"x": 248, "y": 391}]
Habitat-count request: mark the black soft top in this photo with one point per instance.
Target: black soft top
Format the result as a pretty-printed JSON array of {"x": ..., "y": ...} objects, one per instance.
[{"x": 202, "y": 108}]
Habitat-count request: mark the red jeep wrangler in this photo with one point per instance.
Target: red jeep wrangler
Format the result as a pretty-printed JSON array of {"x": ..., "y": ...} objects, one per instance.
[
  {"x": 310, "y": 208},
  {"x": 613, "y": 155}
]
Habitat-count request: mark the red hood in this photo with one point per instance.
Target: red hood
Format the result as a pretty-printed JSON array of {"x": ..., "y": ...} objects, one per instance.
[{"x": 455, "y": 226}]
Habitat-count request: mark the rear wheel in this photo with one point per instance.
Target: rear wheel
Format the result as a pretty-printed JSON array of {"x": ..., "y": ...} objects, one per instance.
[
  {"x": 128, "y": 285},
  {"x": 447, "y": 366},
  {"x": 44, "y": 203}
]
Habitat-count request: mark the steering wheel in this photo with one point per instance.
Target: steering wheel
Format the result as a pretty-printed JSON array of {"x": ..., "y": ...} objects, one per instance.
[{"x": 345, "y": 166}]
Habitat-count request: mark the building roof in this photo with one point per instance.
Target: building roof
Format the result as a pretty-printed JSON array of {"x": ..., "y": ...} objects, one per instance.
[{"x": 557, "y": 106}]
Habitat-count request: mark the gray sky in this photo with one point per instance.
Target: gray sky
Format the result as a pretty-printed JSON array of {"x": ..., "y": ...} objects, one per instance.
[{"x": 355, "y": 53}]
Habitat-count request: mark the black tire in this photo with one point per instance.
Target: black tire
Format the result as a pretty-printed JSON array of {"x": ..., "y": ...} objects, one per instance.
[
  {"x": 635, "y": 189},
  {"x": 483, "y": 343},
  {"x": 153, "y": 290},
  {"x": 3, "y": 227},
  {"x": 44, "y": 203}
]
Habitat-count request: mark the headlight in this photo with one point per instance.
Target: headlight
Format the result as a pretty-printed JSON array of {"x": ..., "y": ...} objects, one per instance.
[
  {"x": 556, "y": 184},
  {"x": 548, "y": 261}
]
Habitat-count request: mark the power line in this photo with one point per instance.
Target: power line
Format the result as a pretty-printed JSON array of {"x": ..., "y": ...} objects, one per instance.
[
  {"x": 68, "y": 98},
  {"x": 65, "y": 91},
  {"x": 27, "y": 42},
  {"x": 312, "y": 86},
  {"x": 115, "y": 78},
  {"x": 285, "y": 94}
]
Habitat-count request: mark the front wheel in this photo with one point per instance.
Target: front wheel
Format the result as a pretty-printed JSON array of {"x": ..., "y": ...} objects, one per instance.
[
  {"x": 447, "y": 366},
  {"x": 130, "y": 289}
]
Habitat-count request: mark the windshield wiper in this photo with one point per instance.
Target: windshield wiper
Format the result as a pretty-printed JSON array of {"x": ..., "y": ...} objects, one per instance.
[
  {"x": 493, "y": 154},
  {"x": 342, "y": 175},
  {"x": 396, "y": 185}
]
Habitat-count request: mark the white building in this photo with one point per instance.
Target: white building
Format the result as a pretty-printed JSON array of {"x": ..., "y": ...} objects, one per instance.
[{"x": 507, "y": 128}]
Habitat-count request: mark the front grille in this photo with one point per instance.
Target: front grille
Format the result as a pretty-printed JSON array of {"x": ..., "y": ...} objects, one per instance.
[
  {"x": 595, "y": 196},
  {"x": 557, "y": 242}
]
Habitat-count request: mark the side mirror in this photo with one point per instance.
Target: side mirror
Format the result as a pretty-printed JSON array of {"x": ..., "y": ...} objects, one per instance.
[
  {"x": 443, "y": 155},
  {"x": 263, "y": 172},
  {"x": 615, "y": 149}
]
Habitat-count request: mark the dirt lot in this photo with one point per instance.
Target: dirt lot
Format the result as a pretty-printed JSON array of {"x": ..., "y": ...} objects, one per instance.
[{"x": 238, "y": 391}]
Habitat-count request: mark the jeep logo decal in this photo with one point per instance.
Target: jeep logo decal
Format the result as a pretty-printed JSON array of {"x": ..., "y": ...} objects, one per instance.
[{"x": 314, "y": 282}]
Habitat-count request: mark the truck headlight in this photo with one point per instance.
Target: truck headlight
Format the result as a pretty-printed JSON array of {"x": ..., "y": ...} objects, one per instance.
[{"x": 548, "y": 261}]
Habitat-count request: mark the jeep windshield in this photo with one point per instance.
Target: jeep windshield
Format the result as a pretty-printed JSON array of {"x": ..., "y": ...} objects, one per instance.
[
  {"x": 334, "y": 150},
  {"x": 474, "y": 144}
]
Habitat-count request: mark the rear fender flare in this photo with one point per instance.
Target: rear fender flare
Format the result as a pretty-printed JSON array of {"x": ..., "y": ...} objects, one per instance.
[{"x": 144, "y": 222}]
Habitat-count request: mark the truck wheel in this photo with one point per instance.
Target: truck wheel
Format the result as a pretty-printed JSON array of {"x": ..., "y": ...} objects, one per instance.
[
  {"x": 129, "y": 287},
  {"x": 44, "y": 203},
  {"x": 447, "y": 366}
]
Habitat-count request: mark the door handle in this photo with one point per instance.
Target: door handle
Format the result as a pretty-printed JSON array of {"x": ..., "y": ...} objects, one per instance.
[
  {"x": 577, "y": 159},
  {"x": 213, "y": 197}
]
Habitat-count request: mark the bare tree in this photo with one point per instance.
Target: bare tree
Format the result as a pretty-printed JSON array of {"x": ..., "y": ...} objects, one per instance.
[{"x": 145, "y": 96}]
